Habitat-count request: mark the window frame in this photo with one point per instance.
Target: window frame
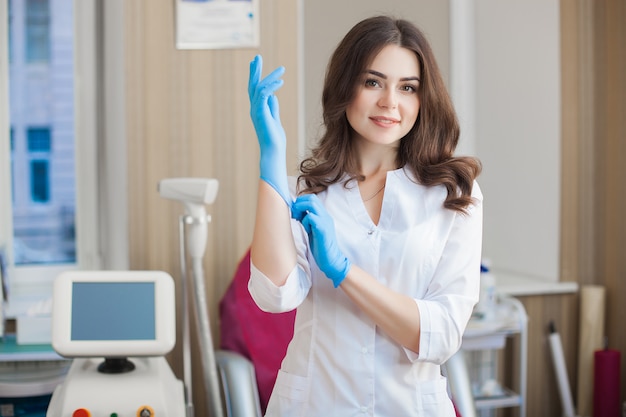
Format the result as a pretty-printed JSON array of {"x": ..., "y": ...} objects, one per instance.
[{"x": 29, "y": 285}]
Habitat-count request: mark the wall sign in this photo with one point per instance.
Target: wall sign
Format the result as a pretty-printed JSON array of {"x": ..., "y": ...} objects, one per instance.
[{"x": 217, "y": 24}]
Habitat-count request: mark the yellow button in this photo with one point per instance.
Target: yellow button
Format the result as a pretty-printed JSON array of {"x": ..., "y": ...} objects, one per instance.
[{"x": 145, "y": 411}]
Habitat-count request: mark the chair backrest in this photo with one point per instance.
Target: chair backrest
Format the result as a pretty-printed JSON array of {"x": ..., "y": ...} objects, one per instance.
[
  {"x": 259, "y": 336},
  {"x": 455, "y": 370}
]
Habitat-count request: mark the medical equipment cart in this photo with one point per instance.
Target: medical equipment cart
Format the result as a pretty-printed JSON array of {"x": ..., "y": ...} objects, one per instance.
[{"x": 483, "y": 342}]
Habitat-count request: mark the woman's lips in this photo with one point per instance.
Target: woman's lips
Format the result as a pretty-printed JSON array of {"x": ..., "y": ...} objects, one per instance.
[{"x": 384, "y": 121}]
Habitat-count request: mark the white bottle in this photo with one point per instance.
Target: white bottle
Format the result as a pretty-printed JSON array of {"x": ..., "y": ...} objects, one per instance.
[{"x": 486, "y": 307}]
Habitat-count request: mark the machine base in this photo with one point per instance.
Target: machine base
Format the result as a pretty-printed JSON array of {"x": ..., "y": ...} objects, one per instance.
[{"x": 151, "y": 389}]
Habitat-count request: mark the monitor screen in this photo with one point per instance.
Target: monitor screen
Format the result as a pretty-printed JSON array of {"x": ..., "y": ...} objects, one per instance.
[{"x": 113, "y": 313}]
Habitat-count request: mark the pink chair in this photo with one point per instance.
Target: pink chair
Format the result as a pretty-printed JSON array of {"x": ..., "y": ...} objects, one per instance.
[{"x": 260, "y": 337}]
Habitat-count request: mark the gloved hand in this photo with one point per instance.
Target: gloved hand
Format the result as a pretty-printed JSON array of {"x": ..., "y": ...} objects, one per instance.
[
  {"x": 309, "y": 210},
  {"x": 270, "y": 133}
]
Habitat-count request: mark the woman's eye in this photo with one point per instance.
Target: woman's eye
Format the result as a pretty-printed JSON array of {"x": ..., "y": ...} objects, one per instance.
[
  {"x": 371, "y": 83},
  {"x": 409, "y": 88}
]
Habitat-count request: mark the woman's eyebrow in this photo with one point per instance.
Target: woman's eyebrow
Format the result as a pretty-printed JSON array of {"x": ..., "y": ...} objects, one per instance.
[{"x": 384, "y": 77}]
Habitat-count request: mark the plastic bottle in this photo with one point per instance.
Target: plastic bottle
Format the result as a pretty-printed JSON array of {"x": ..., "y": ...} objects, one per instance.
[{"x": 485, "y": 309}]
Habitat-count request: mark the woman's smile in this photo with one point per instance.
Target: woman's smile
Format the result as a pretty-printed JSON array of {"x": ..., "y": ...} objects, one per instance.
[{"x": 384, "y": 121}]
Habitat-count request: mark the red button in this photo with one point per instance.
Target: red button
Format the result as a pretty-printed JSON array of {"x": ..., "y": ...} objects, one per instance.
[{"x": 81, "y": 412}]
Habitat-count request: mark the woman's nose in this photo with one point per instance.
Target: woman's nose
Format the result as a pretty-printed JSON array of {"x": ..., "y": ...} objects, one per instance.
[{"x": 388, "y": 99}]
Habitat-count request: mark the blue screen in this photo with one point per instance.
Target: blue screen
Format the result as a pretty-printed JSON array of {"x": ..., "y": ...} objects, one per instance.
[{"x": 113, "y": 311}]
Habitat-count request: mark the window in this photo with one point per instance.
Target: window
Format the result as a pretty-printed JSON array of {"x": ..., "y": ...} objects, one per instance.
[
  {"x": 39, "y": 188},
  {"x": 39, "y": 155},
  {"x": 38, "y": 30},
  {"x": 41, "y": 101},
  {"x": 38, "y": 139},
  {"x": 47, "y": 174}
]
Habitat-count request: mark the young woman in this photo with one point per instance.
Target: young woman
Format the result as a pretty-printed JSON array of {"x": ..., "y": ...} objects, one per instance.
[{"x": 380, "y": 251}]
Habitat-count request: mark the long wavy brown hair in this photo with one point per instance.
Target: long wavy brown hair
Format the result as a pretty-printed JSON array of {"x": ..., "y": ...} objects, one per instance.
[{"x": 427, "y": 150}]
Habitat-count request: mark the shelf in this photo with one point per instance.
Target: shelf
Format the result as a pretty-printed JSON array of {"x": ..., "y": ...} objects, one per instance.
[
  {"x": 29, "y": 370},
  {"x": 517, "y": 285},
  {"x": 10, "y": 351},
  {"x": 484, "y": 338},
  {"x": 31, "y": 379},
  {"x": 509, "y": 399}
]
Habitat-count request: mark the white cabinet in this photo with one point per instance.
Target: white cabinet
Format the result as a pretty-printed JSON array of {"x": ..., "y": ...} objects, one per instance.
[{"x": 483, "y": 341}]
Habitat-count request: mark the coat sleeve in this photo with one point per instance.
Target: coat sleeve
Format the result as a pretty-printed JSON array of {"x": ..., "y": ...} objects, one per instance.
[
  {"x": 274, "y": 299},
  {"x": 450, "y": 299}
]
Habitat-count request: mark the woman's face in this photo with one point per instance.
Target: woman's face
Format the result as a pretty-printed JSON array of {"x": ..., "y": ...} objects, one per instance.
[{"x": 386, "y": 103}]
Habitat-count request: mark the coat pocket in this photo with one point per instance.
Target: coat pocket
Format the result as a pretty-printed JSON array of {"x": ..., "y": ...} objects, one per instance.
[
  {"x": 293, "y": 387},
  {"x": 435, "y": 400},
  {"x": 289, "y": 396}
]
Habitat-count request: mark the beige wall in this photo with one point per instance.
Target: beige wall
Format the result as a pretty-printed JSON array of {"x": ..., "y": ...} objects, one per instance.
[
  {"x": 518, "y": 134},
  {"x": 188, "y": 115}
]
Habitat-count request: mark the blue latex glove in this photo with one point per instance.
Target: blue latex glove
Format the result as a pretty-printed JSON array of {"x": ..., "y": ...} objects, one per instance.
[
  {"x": 309, "y": 210},
  {"x": 270, "y": 133}
]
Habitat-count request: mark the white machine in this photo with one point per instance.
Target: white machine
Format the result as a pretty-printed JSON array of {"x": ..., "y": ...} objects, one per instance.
[
  {"x": 229, "y": 378},
  {"x": 117, "y": 325},
  {"x": 195, "y": 194}
]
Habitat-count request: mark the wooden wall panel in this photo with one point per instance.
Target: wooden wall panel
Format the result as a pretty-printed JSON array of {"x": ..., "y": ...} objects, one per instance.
[
  {"x": 593, "y": 228},
  {"x": 188, "y": 115},
  {"x": 593, "y": 236},
  {"x": 542, "y": 395},
  {"x": 610, "y": 138},
  {"x": 542, "y": 388},
  {"x": 571, "y": 149}
]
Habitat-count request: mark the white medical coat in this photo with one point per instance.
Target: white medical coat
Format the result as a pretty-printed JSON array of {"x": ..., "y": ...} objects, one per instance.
[{"x": 339, "y": 363}]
